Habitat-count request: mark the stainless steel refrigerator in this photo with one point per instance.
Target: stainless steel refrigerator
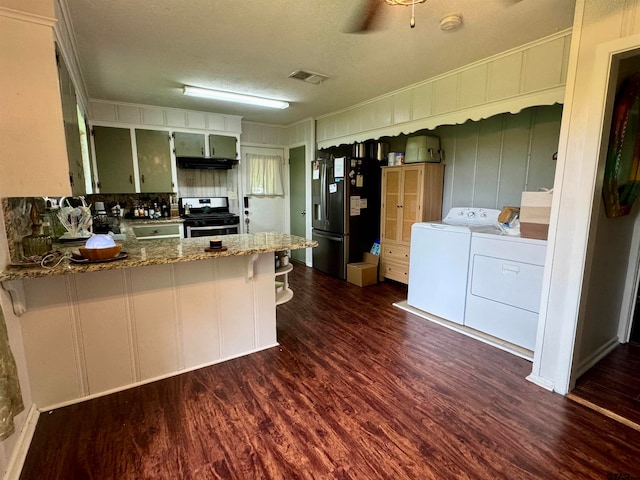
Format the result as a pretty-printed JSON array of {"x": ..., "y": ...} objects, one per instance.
[{"x": 346, "y": 211}]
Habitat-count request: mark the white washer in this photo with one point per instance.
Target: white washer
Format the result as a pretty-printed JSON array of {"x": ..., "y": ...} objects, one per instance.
[{"x": 439, "y": 261}]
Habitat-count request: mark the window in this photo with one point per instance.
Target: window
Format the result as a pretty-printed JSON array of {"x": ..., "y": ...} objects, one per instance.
[{"x": 265, "y": 175}]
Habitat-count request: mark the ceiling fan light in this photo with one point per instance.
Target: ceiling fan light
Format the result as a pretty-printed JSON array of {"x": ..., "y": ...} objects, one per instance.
[
  {"x": 449, "y": 22},
  {"x": 233, "y": 97}
]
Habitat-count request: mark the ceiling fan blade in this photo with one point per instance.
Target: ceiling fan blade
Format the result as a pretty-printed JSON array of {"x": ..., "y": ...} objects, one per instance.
[{"x": 367, "y": 16}]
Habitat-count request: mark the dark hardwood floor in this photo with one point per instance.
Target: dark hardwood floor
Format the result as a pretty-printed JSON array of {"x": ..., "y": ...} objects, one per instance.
[
  {"x": 357, "y": 389},
  {"x": 613, "y": 384}
]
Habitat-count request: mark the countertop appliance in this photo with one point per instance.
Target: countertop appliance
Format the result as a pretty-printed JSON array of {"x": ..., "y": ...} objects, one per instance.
[
  {"x": 207, "y": 216},
  {"x": 439, "y": 261},
  {"x": 346, "y": 211}
]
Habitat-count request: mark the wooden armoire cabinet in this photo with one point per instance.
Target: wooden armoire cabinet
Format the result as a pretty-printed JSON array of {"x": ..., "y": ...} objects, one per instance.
[{"x": 410, "y": 193}]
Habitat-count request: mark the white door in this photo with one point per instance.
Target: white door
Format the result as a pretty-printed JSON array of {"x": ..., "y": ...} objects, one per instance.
[{"x": 265, "y": 213}]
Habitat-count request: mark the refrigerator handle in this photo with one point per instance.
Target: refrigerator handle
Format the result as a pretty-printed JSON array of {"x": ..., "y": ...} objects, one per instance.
[
  {"x": 328, "y": 237},
  {"x": 323, "y": 191}
]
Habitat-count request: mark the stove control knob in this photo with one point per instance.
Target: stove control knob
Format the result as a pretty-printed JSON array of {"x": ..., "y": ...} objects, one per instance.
[
  {"x": 483, "y": 214},
  {"x": 471, "y": 214}
]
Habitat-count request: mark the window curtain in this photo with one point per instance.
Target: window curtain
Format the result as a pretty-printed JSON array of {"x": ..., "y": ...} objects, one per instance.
[
  {"x": 265, "y": 175},
  {"x": 10, "y": 395}
]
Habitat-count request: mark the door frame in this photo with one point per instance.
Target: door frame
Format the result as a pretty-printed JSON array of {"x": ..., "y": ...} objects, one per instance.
[
  {"x": 285, "y": 182},
  {"x": 293, "y": 214},
  {"x": 309, "y": 156},
  {"x": 558, "y": 342}
]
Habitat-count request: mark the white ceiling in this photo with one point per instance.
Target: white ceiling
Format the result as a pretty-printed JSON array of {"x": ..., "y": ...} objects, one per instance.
[{"x": 145, "y": 51}]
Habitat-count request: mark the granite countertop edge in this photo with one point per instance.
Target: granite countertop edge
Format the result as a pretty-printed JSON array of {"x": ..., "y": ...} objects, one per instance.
[{"x": 142, "y": 253}]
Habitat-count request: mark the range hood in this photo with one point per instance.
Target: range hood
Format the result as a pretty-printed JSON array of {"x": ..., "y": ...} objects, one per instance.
[{"x": 206, "y": 163}]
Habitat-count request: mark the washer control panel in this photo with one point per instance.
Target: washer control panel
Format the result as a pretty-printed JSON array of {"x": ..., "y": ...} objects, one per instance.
[{"x": 473, "y": 217}]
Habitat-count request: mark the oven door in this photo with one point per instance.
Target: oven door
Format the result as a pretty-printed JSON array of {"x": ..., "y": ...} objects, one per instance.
[{"x": 209, "y": 230}]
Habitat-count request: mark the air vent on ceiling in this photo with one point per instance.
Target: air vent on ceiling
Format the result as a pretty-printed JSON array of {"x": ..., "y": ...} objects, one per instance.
[{"x": 309, "y": 77}]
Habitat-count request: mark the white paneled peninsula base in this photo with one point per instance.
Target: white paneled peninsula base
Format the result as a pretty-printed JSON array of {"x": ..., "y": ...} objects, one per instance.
[{"x": 169, "y": 307}]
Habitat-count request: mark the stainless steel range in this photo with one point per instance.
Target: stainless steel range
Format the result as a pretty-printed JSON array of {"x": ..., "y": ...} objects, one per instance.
[{"x": 205, "y": 217}]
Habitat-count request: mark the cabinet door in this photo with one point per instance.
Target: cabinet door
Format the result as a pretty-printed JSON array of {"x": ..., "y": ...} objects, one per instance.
[
  {"x": 114, "y": 158},
  {"x": 391, "y": 218},
  {"x": 189, "y": 144},
  {"x": 222, "y": 146},
  {"x": 154, "y": 161},
  {"x": 412, "y": 192},
  {"x": 433, "y": 185},
  {"x": 71, "y": 128}
]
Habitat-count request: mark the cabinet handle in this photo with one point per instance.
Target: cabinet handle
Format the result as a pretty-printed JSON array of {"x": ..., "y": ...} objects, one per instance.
[
  {"x": 202, "y": 150},
  {"x": 131, "y": 179},
  {"x": 142, "y": 178},
  {"x": 71, "y": 179}
]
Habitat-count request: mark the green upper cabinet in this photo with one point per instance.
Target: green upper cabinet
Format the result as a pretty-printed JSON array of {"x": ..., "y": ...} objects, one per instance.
[
  {"x": 222, "y": 146},
  {"x": 189, "y": 144},
  {"x": 114, "y": 159},
  {"x": 154, "y": 161},
  {"x": 71, "y": 128}
]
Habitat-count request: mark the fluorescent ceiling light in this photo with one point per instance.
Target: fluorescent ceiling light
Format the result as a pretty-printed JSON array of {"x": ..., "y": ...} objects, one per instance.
[{"x": 234, "y": 97}]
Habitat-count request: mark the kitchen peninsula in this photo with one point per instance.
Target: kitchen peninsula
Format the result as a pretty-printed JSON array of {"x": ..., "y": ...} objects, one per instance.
[{"x": 168, "y": 307}]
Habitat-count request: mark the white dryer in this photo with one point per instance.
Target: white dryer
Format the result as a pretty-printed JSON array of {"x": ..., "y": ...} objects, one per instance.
[
  {"x": 505, "y": 286},
  {"x": 439, "y": 261}
]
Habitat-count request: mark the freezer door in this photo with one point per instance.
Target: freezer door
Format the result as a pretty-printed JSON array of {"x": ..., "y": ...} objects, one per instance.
[
  {"x": 330, "y": 256},
  {"x": 327, "y": 196}
]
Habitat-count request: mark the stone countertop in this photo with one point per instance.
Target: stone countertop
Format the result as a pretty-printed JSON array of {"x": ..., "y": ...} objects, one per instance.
[{"x": 164, "y": 251}]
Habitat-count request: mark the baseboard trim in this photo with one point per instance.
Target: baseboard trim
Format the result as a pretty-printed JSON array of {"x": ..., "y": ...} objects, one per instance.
[
  {"x": 598, "y": 355},
  {"x": 151, "y": 380},
  {"x": 19, "y": 454},
  {"x": 541, "y": 382},
  {"x": 469, "y": 332}
]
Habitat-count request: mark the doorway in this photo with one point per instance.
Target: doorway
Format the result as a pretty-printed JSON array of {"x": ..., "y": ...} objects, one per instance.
[
  {"x": 297, "y": 199},
  {"x": 606, "y": 355},
  {"x": 635, "y": 326},
  {"x": 265, "y": 213}
]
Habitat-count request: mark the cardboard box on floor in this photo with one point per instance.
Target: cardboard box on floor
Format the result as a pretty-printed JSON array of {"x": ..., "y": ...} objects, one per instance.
[{"x": 364, "y": 273}]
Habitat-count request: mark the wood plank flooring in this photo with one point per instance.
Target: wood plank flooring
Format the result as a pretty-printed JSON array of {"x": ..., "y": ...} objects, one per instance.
[
  {"x": 613, "y": 384},
  {"x": 357, "y": 389}
]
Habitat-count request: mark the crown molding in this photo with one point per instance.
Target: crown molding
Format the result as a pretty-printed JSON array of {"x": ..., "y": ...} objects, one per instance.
[
  {"x": 66, "y": 39},
  {"x": 27, "y": 17}
]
